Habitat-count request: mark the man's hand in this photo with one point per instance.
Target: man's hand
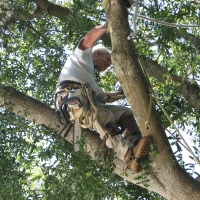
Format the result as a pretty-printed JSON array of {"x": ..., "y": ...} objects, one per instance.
[
  {"x": 121, "y": 90},
  {"x": 106, "y": 26},
  {"x": 91, "y": 37},
  {"x": 109, "y": 97}
]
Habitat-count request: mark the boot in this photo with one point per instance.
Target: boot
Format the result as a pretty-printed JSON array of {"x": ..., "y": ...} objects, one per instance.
[
  {"x": 130, "y": 129},
  {"x": 136, "y": 153},
  {"x": 141, "y": 145}
]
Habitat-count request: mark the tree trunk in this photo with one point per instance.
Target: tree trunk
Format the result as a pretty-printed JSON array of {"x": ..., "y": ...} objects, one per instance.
[{"x": 169, "y": 179}]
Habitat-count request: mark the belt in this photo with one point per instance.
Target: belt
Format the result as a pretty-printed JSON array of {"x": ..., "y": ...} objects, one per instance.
[{"x": 70, "y": 85}]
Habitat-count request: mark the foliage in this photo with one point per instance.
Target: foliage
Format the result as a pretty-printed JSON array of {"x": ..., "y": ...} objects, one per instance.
[{"x": 35, "y": 163}]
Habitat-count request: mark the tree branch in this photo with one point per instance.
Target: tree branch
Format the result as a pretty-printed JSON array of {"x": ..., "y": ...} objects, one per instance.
[
  {"x": 194, "y": 41},
  {"x": 190, "y": 91},
  {"x": 39, "y": 113},
  {"x": 53, "y": 9}
]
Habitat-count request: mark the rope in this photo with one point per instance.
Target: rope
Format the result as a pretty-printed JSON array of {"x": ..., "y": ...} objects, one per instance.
[
  {"x": 135, "y": 15},
  {"x": 147, "y": 123},
  {"x": 88, "y": 114},
  {"x": 176, "y": 139},
  {"x": 167, "y": 23},
  {"x": 173, "y": 125}
]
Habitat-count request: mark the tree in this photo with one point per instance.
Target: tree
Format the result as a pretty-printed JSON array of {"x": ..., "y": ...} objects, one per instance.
[{"x": 33, "y": 37}]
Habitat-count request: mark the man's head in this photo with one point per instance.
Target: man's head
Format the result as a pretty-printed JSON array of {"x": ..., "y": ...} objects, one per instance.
[{"x": 101, "y": 56}]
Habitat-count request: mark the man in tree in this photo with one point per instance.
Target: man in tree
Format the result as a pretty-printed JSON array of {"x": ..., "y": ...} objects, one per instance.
[{"x": 83, "y": 67}]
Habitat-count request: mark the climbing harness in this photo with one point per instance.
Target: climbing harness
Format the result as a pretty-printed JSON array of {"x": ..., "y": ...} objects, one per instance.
[
  {"x": 69, "y": 101},
  {"x": 74, "y": 105},
  {"x": 90, "y": 110}
]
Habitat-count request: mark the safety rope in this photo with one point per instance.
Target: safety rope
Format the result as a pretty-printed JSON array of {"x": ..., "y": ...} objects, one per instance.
[
  {"x": 147, "y": 123},
  {"x": 135, "y": 15},
  {"x": 178, "y": 140},
  {"x": 174, "y": 126}
]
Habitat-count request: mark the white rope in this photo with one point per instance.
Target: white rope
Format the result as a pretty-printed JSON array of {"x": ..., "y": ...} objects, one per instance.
[
  {"x": 135, "y": 15},
  {"x": 167, "y": 23}
]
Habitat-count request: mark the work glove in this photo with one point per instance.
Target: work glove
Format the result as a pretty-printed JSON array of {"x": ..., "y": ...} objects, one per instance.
[{"x": 106, "y": 26}]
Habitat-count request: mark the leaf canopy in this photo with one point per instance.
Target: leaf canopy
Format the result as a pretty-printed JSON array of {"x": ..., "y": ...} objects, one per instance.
[{"x": 35, "y": 42}]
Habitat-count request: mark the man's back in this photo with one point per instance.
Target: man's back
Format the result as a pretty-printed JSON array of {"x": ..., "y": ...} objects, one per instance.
[{"x": 79, "y": 67}]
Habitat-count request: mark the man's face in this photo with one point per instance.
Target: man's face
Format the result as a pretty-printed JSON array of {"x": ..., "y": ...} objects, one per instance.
[{"x": 103, "y": 61}]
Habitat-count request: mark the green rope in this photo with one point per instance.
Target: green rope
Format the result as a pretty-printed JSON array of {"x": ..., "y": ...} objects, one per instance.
[
  {"x": 172, "y": 123},
  {"x": 147, "y": 123}
]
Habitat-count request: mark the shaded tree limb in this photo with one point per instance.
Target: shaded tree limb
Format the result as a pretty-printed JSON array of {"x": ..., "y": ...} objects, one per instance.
[
  {"x": 190, "y": 91},
  {"x": 45, "y": 6},
  {"x": 37, "y": 112},
  {"x": 194, "y": 41}
]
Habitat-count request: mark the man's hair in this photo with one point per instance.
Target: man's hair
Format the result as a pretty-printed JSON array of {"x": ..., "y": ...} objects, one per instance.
[{"x": 101, "y": 48}]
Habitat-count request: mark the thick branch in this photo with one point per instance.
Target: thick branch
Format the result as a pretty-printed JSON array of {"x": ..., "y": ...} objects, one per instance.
[
  {"x": 16, "y": 16},
  {"x": 52, "y": 9},
  {"x": 41, "y": 114},
  {"x": 43, "y": 7}
]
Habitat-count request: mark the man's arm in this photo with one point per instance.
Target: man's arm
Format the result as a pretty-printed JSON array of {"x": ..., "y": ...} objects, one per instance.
[{"x": 92, "y": 36}]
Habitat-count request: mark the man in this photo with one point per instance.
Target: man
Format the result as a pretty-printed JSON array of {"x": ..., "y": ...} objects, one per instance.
[{"x": 83, "y": 67}]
